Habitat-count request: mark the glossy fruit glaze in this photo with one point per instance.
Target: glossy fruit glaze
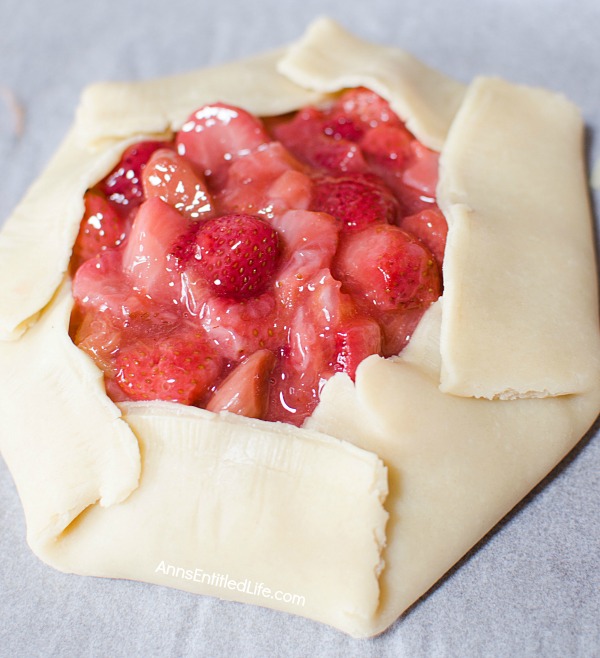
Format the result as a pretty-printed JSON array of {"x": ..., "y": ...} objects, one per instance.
[{"x": 241, "y": 265}]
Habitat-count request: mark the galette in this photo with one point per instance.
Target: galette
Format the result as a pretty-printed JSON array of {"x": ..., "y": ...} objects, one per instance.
[{"x": 299, "y": 330}]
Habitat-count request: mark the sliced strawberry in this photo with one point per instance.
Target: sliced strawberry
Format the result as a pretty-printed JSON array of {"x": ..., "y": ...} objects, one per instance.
[
  {"x": 175, "y": 368},
  {"x": 101, "y": 228},
  {"x": 305, "y": 137},
  {"x": 307, "y": 231},
  {"x": 216, "y": 134},
  {"x": 171, "y": 178},
  {"x": 387, "y": 147},
  {"x": 358, "y": 200},
  {"x": 249, "y": 180},
  {"x": 293, "y": 394},
  {"x": 245, "y": 391},
  {"x": 355, "y": 341},
  {"x": 147, "y": 256},
  {"x": 236, "y": 255},
  {"x": 431, "y": 228},
  {"x": 408, "y": 168},
  {"x": 123, "y": 186},
  {"x": 356, "y": 112},
  {"x": 384, "y": 268}
]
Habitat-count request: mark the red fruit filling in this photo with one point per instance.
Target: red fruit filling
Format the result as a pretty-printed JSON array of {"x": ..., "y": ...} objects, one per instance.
[{"x": 242, "y": 265}]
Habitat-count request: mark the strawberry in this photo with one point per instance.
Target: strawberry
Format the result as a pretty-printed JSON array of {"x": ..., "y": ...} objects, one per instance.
[
  {"x": 236, "y": 255},
  {"x": 171, "y": 178},
  {"x": 387, "y": 147},
  {"x": 293, "y": 395},
  {"x": 249, "y": 180},
  {"x": 408, "y": 168},
  {"x": 305, "y": 137},
  {"x": 319, "y": 309},
  {"x": 356, "y": 340},
  {"x": 216, "y": 134},
  {"x": 177, "y": 368},
  {"x": 358, "y": 200},
  {"x": 384, "y": 268},
  {"x": 326, "y": 139},
  {"x": 356, "y": 112},
  {"x": 431, "y": 228},
  {"x": 123, "y": 186},
  {"x": 147, "y": 255},
  {"x": 245, "y": 391},
  {"x": 219, "y": 289},
  {"x": 101, "y": 228}
]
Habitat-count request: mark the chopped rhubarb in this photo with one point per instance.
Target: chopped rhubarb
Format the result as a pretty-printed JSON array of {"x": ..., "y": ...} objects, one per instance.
[{"x": 246, "y": 389}]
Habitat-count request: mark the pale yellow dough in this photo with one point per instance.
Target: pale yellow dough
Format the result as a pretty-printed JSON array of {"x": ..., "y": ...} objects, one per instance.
[{"x": 163, "y": 493}]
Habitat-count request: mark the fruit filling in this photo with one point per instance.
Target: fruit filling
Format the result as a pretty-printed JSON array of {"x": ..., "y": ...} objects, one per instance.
[{"x": 241, "y": 265}]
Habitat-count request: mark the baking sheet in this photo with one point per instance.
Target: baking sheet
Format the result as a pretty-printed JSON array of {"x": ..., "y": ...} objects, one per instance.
[{"x": 532, "y": 586}]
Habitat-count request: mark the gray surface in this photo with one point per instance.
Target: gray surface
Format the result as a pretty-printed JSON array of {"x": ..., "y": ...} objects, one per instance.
[{"x": 532, "y": 587}]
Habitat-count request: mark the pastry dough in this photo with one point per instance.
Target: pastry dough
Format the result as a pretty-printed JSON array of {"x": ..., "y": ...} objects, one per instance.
[
  {"x": 521, "y": 239},
  {"x": 218, "y": 504}
]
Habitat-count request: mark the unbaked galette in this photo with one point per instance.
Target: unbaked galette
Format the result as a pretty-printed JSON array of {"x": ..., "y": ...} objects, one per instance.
[{"x": 297, "y": 331}]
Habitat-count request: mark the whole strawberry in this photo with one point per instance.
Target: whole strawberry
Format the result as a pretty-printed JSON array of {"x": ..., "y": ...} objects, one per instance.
[{"x": 236, "y": 255}]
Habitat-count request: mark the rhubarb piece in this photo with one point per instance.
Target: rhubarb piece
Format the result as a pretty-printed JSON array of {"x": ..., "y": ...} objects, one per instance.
[{"x": 246, "y": 389}]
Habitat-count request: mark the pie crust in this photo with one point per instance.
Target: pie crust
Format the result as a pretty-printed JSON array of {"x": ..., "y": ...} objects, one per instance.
[{"x": 499, "y": 382}]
